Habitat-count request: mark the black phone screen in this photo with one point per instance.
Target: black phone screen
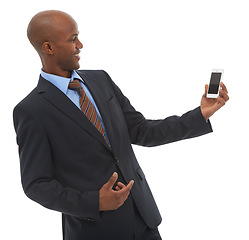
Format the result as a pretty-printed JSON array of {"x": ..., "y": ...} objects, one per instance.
[{"x": 214, "y": 83}]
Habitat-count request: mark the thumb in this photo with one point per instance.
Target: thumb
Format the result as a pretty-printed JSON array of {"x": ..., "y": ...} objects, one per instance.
[
  {"x": 206, "y": 89},
  {"x": 112, "y": 180}
]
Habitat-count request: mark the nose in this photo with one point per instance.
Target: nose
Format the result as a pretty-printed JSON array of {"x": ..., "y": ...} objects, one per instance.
[{"x": 79, "y": 44}]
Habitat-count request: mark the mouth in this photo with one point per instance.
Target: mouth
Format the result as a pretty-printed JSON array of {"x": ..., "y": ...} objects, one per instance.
[{"x": 77, "y": 55}]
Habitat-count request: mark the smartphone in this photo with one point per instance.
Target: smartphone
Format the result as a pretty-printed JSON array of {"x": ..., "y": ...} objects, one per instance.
[{"x": 214, "y": 85}]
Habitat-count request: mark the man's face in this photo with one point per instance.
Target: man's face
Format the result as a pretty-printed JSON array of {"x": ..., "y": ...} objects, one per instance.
[{"x": 67, "y": 45}]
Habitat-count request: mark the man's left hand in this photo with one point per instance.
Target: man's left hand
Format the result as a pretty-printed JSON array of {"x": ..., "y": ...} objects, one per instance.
[{"x": 210, "y": 105}]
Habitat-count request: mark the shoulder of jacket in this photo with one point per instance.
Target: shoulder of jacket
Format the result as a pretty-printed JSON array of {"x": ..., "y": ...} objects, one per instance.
[{"x": 93, "y": 74}]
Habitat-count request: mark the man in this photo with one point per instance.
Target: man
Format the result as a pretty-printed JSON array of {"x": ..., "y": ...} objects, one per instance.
[{"x": 74, "y": 132}]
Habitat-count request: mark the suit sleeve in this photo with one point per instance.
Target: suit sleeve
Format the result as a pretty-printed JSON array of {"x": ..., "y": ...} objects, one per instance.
[
  {"x": 37, "y": 171},
  {"x": 150, "y": 133}
]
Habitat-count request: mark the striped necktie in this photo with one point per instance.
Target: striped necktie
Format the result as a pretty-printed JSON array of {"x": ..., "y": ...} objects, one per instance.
[{"x": 87, "y": 107}]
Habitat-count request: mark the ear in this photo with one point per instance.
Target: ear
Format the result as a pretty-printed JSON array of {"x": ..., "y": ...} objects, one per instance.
[{"x": 48, "y": 47}]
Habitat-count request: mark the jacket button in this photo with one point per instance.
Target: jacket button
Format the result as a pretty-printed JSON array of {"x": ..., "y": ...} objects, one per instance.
[{"x": 117, "y": 160}]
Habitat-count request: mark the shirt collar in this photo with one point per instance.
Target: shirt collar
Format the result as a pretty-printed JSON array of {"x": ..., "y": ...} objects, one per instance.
[
  {"x": 60, "y": 82},
  {"x": 76, "y": 75}
]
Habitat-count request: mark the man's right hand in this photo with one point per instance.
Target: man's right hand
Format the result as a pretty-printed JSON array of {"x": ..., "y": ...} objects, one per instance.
[{"x": 110, "y": 199}]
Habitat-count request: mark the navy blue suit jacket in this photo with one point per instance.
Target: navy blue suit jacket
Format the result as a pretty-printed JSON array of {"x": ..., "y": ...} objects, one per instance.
[{"x": 65, "y": 161}]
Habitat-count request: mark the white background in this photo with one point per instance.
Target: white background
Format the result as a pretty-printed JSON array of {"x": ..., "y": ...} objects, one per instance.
[{"x": 165, "y": 49}]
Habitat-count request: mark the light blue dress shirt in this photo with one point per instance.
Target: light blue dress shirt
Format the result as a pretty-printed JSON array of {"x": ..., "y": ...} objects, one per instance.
[{"x": 62, "y": 84}]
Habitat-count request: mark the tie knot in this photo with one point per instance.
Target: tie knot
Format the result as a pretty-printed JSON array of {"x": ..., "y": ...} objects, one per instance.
[{"x": 75, "y": 85}]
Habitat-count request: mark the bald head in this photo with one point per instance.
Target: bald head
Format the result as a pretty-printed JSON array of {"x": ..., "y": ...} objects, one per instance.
[
  {"x": 45, "y": 26},
  {"x": 54, "y": 35}
]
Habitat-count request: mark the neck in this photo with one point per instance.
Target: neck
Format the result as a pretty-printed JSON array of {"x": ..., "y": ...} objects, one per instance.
[
  {"x": 61, "y": 73},
  {"x": 55, "y": 70}
]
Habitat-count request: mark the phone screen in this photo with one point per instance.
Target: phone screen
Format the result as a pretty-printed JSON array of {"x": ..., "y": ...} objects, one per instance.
[{"x": 214, "y": 83}]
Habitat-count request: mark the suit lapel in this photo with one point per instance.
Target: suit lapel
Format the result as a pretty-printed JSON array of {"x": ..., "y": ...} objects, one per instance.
[{"x": 64, "y": 104}]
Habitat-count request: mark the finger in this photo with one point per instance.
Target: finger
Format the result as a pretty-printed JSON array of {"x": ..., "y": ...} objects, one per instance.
[
  {"x": 221, "y": 102},
  {"x": 127, "y": 189},
  {"x": 130, "y": 185},
  {"x": 223, "y": 86},
  {"x": 223, "y": 94},
  {"x": 124, "y": 193},
  {"x": 120, "y": 185},
  {"x": 112, "y": 181}
]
